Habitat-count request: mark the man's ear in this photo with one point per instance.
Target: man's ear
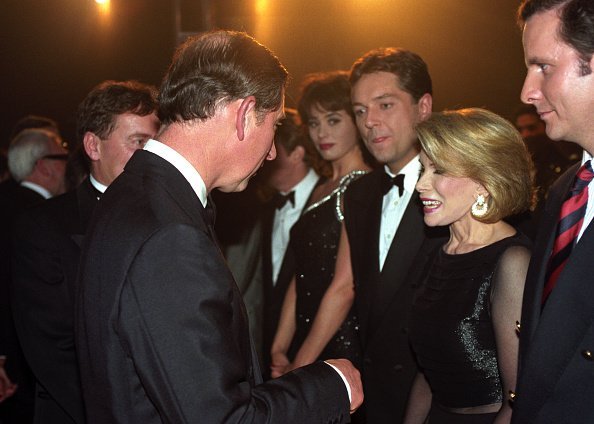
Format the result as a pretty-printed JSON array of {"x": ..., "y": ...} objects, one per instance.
[
  {"x": 297, "y": 154},
  {"x": 243, "y": 115},
  {"x": 92, "y": 145},
  {"x": 425, "y": 106}
]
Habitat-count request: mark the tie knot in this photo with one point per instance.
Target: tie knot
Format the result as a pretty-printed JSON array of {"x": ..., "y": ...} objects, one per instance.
[
  {"x": 389, "y": 182},
  {"x": 280, "y": 200},
  {"x": 583, "y": 177}
]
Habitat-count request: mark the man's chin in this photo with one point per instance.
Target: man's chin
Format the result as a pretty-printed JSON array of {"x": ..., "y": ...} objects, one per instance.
[{"x": 235, "y": 188}]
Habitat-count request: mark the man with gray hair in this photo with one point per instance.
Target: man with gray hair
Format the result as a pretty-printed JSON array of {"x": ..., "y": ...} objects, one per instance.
[
  {"x": 37, "y": 163},
  {"x": 37, "y": 160}
]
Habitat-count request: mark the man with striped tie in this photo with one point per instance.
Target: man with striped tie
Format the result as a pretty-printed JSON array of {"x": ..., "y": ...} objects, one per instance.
[{"x": 556, "y": 371}]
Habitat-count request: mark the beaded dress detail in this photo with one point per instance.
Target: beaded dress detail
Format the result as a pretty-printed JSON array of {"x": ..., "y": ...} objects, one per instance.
[{"x": 314, "y": 244}]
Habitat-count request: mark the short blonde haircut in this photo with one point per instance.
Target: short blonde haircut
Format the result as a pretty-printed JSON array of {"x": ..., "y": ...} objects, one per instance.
[{"x": 480, "y": 145}]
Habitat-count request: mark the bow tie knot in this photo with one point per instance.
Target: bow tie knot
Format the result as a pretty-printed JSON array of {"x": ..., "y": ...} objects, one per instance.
[
  {"x": 388, "y": 182},
  {"x": 280, "y": 200}
]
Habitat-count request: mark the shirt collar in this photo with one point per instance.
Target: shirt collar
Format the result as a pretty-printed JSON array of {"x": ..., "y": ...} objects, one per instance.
[
  {"x": 411, "y": 173},
  {"x": 42, "y": 191},
  {"x": 182, "y": 165},
  {"x": 98, "y": 186},
  {"x": 586, "y": 157}
]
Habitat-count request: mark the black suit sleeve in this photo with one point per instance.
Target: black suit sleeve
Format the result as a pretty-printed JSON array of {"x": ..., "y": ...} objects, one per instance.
[{"x": 178, "y": 321}]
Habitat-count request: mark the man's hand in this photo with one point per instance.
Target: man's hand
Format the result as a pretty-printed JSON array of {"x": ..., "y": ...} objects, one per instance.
[
  {"x": 7, "y": 387},
  {"x": 353, "y": 378}
]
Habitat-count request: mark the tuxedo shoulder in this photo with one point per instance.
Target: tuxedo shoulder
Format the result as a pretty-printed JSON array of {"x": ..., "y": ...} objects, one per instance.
[
  {"x": 364, "y": 184},
  {"x": 56, "y": 211},
  {"x": 565, "y": 178}
]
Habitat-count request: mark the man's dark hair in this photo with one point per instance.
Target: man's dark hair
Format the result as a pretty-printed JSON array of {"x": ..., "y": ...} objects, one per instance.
[
  {"x": 220, "y": 67},
  {"x": 411, "y": 70},
  {"x": 98, "y": 111},
  {"x": 576, "y": 24}
]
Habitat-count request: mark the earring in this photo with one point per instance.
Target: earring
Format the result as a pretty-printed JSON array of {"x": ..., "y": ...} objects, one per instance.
[{"x": 480, "y": 207}]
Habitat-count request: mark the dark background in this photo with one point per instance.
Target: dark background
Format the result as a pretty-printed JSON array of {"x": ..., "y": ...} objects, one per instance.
[{"x": 54, "y": 51}]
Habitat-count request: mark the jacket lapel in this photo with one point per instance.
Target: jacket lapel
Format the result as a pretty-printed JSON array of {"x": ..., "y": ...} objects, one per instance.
[
  {"x": 405, "y": 245},
  {"x": 549, "y": 339},
  {"x": 370, "y": 206},
  {"x": 531, "y": 309}
]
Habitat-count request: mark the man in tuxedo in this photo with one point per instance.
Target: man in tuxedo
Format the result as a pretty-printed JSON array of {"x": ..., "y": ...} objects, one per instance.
[
  {"x": 161, "y": 329},
  {"x": 37, "y": 162},
  {"x": 292, "y": 178},
  {"x": 114, "y": 120},
  {"x": 391, "y": 92},
  {"x": 556, "y": 368}
]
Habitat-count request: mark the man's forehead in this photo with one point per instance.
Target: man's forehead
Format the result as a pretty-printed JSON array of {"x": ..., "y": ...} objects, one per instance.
[{"x": 376, "y": 86}]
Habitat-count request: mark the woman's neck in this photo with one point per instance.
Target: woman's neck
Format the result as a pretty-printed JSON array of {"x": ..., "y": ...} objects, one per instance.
[{"x": 468, "y": 234}]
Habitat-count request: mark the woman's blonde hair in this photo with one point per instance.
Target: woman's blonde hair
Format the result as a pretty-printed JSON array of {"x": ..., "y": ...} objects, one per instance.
[{"x": 480, "y": 145}]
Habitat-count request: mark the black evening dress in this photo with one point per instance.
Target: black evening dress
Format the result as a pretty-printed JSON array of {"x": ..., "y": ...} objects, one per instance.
[
  {"x": 314, "y": 245},
  {"x": 451, "y": 330}
]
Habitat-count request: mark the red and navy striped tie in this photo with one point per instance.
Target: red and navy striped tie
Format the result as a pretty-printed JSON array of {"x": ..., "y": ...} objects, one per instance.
[{"x": 571, "y": 219}]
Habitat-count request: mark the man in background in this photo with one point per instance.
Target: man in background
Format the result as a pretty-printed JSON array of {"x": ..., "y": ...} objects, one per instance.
[
  {"x": 37, "y": 162},
  {"x": 114, "y": 120}
]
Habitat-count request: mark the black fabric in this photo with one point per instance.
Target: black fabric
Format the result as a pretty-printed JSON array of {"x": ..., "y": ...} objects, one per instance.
[
  {"x": 46, "y": 253},
  {"x": 451, "y": 326},
  {"x": 314, "y": 244},
  {"x": 389, "y": 182},
  {"x": 280, "y": 200},
  {"x": 161, "y": 329}
]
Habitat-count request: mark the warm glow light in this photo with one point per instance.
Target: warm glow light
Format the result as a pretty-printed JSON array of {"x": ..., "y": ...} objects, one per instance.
[
  {"x": 103, "y": 5},
  {"x": 261, "y": 7}
]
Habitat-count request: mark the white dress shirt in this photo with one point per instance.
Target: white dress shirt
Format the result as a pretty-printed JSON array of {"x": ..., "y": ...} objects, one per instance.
[
  {"x": 37, "y": 189},
  {"x": 98, "y": 186},
  {"x": 394, "y": 205},
  {"x": 286, "y": 217}
]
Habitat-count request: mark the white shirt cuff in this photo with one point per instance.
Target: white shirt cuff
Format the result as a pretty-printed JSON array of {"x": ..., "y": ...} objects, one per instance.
[{"x": 343, "y": 379}]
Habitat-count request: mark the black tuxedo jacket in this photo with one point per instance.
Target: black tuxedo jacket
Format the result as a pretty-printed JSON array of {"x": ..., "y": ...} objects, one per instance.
[
  {"x": 46, "y": 253},
  {"x": 161, "y": 328},
  {"x": 383, "y": 299},
  {"x": 556, "y": 371},
  {"x": 14, "y": 199}
]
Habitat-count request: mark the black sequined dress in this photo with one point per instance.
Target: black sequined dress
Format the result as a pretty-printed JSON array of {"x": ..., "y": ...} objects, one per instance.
[
  {"x": 314, "y": 244},
  {"x": 451, "y": 328}
]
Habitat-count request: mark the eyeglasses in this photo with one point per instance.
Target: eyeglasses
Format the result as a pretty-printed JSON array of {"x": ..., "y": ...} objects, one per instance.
[{"x": 57, "y": 156}]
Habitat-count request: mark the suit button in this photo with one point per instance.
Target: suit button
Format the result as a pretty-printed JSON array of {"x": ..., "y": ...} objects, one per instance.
[
  {"x": 398, "y": 367},
  {"x": 404, "y": 330},
  {"x": 367, "y": 361},
  {"x": 587, "y": 354}
]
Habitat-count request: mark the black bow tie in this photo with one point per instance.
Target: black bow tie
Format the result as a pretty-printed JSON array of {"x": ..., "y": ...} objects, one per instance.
[
  {"x": 280, "y": 200},
  {"x": 389, "y": 182}
]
